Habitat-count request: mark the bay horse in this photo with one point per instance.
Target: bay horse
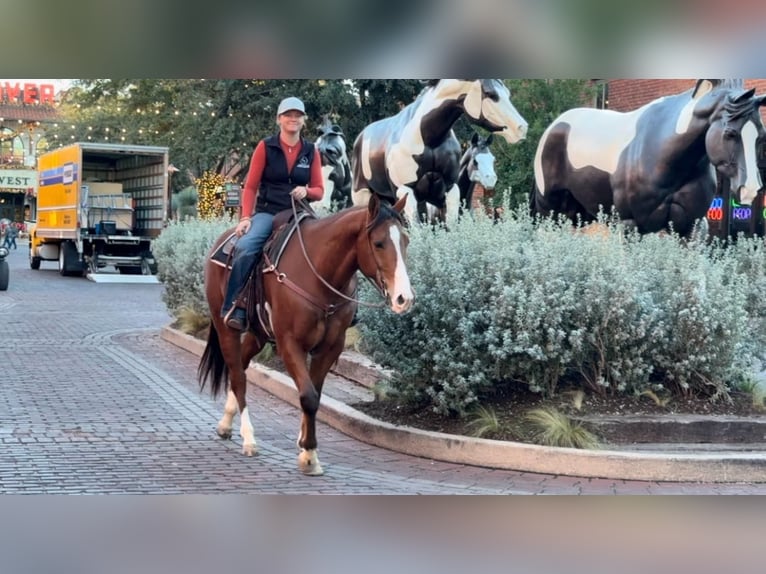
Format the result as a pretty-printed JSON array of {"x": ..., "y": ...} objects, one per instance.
[
  {"x": 416, "y": 153},
  {"x": 655, "y": 165},
  {"x": 477, "y": 167},
  {"x": 309, "y": 303},
  {"x": 336, "y": 167}
]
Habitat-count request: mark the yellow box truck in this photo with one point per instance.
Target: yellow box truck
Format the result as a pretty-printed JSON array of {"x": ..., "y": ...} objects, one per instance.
[{"x": 100, "y": 205}]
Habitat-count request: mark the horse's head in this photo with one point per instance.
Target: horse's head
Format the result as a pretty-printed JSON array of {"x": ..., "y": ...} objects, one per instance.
[
  {"x": 736, "y": 128},
  {"x": 382, "y": 253},
  {"x": 753, "y": 135},
  {"x": 488, "y": 104},
  {"x": 331, "y": 145},
  {"x": 480, "y": 164}
]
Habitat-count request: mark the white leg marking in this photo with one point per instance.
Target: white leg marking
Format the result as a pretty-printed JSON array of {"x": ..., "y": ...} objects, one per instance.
[
  {"x": 308, "y": 463},
  {"x": 229, "y": 410},
  {"x": 453, "y": 204},
  {"x": 246, "y": 432}
]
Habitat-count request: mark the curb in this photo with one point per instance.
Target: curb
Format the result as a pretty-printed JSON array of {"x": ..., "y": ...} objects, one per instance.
[{"x": 609, "y": 464}]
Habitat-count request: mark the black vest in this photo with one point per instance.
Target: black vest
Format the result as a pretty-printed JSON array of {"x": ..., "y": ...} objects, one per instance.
[{"x": 276, "y": 183}]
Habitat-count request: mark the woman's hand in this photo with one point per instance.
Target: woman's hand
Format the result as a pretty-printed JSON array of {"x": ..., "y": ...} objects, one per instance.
[
  {"x": 299, "y": 192},
  {"x": 243, "y": 226}
]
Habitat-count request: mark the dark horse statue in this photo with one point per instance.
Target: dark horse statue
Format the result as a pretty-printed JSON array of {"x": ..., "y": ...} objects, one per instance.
[
  {"x": 416, "y": 150},
  {"x": 308, "y": 298},
  {"x": 477, "y": 167},
  {"x": 655, "y": 165},
  {"x": 336, "y": 168}
]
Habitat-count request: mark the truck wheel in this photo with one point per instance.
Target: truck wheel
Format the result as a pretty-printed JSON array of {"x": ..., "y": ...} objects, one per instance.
[
  {"x": 34, "y": 262},
  {"x": 69, "y": 259},
  {"x": 5, "y": 275}
]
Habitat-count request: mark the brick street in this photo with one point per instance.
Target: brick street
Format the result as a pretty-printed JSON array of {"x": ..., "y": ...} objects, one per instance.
[{"x": 93, "y": 401}]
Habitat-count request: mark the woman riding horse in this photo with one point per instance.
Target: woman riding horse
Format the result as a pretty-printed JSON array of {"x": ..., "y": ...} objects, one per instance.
[
  {"x": 308, "y": 305},
  {"x": 283, "y": 166}
]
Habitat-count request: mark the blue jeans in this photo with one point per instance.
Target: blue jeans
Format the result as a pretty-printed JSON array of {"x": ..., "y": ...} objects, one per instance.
[{"x": 246, "y": 253}]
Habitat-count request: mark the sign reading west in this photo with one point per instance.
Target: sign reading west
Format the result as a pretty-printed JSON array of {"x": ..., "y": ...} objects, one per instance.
[{"x": 18, "y": 179}]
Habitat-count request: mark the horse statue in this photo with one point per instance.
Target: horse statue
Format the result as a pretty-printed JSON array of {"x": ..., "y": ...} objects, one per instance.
[
  {"x": 477, "y": 167},
  {"x": 416, "y": 150},
  {"x": 336, "y": 168},
  {"x": 656, "y": 165},
  {"x": 306, "y": 306}
]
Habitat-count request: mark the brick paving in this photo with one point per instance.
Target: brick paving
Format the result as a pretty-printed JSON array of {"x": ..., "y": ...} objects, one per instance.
[{"x": 93, "y": 401}]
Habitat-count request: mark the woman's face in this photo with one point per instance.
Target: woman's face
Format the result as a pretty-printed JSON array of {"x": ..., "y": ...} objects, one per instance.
[{"x": 291, "y": 121}]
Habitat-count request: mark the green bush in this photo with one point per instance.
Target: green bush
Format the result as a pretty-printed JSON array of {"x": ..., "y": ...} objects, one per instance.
[
  {"x": 539, "y": 306},
  {"x": 180, "y": 251}
]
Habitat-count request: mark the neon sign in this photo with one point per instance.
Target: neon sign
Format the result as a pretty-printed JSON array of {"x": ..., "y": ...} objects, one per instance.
[
  {"x": 715, "y": 211},
  {"x": 738, "y": 212}
]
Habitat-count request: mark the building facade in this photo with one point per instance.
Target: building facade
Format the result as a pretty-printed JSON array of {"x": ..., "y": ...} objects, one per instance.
[{"x": 26, "y": 109}]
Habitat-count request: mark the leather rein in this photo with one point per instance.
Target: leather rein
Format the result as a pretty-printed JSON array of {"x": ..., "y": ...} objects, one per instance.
[{"x": 327, "y": 308}]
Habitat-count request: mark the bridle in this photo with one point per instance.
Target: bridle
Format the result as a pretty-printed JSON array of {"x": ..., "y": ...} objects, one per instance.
[{"x": 378, "y": 283}]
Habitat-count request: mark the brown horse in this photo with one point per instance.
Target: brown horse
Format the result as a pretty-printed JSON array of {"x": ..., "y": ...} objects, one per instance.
[{"x": 310, "y": 304}]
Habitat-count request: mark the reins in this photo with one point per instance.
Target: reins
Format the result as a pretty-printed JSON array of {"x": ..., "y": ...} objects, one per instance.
[{"x": 329, "y": 308}]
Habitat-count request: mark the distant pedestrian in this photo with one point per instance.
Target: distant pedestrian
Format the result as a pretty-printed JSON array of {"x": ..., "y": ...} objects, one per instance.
[{"x": 11, "y": 233}]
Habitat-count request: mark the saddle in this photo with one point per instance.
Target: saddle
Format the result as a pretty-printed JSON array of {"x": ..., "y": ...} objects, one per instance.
[{"x": 251, "y": 298}]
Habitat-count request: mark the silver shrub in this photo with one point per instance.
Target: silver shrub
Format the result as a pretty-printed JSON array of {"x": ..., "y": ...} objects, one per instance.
[
  {"x": 514, "y": 303},
  {"x": 180, "y": 251}
]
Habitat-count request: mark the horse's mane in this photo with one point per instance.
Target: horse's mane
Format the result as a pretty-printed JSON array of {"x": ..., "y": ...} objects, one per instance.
[{"x": 386, "y": 212}]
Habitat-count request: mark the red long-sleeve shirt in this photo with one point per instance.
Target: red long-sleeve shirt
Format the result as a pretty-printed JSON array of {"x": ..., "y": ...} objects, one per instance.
[{"x": 315, "y": 189}]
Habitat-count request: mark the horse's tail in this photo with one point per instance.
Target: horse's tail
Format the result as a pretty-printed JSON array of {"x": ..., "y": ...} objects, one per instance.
[{"x": 212, "y": 364}]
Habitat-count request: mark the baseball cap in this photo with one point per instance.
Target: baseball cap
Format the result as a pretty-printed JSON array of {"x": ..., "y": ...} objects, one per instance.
[{"x": 290, "y": 103}]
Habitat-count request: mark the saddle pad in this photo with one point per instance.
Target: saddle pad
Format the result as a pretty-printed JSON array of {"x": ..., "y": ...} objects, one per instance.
[{"x": 223, "y": 255}]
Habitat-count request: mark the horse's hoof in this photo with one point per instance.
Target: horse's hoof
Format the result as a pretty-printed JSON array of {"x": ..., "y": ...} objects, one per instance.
[
  {"x": 223, "y": 433},
  {"x": 249, "y": 449},
  {"x": 308, "y": 463}
]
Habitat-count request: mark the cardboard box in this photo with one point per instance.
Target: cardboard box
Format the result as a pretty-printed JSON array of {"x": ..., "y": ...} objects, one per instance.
[{"x": 102, "y": 188}]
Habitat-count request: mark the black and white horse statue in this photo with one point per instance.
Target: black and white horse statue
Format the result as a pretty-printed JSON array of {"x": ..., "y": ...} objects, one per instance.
[
  {"x": 336, "y": 168},
  {"x": 416, "y": 153},
  {"x": 656, "y": 165},
  {"x": 477, "y": 167}
]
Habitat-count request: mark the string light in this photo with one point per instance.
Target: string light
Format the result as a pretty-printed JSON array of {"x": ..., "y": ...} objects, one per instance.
[{"x": 210, "y": 201}]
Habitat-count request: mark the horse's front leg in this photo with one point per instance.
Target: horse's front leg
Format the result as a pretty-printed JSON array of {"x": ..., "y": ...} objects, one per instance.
[
  {"x": 453, "y": 205},
  {"x": 237, "y": 356},
  {"x": 295, "y": 362}
]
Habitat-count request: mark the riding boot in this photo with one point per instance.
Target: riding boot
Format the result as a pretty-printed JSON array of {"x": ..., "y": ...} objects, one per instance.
[{"x": 236, "y": 317}]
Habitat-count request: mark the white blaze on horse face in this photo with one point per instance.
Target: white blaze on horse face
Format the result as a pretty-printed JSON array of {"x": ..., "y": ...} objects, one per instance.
[
  {"x": 485, "y": 170},
  {"x": 501, "y": 112},
  {"x": 401, "y": 291},
  {"x": 752, "y": 177}
]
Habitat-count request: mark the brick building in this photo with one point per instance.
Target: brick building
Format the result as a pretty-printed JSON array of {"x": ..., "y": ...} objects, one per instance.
[{"x": 627, "y": 95}]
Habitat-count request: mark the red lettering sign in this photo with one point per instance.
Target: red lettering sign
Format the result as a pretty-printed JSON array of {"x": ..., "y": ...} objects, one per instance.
[{"x": 31, "y": 94}]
